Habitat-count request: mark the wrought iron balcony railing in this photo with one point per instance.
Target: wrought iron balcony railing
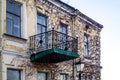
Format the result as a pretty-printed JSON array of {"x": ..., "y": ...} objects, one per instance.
[{"x": 53, "y": 39}]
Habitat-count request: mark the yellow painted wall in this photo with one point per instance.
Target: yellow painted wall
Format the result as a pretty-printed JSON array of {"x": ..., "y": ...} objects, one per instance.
[
  {"x": 0, "y": 20},
  {"x": 76, "y": 28},
  {"x": 0, "y": 39},
  {"x": 11, "y": 43}
]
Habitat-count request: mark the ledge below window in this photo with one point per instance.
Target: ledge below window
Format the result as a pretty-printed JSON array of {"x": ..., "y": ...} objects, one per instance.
[{"x": 12, "y": 36}]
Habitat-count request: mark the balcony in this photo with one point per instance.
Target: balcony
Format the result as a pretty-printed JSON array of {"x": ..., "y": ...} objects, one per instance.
[{"x": 53, "y": 47}]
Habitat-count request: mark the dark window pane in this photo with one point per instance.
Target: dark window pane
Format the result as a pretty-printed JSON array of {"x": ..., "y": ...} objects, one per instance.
[
  {"x": 63, "y": 28},
  {"x": 41, "y": 20},
  {"x": 16, "y": 26},
  {"x": 63, "y": 37},
  {"x": 13, "y": 74},
  {"x": 13, "y": 22},
  {"x": 14, "y": 8},
  {"x": 43, "y": 29},
  {"x": 87, "y": 45},
  {"x": 38, "y": 29},
  {"x": 9, "y": 23},
  {"x": 64, "y": 77},
  {"x": 41, "y": 24}
]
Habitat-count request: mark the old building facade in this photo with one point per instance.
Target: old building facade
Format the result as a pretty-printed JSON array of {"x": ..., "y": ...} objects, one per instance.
[{"x": 43, "y": 39}]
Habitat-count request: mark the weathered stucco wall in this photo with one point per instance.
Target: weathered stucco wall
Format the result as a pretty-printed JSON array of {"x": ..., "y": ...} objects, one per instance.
[
  {"x": 0, "y": 21},
  {"x": 0, "y": 39},
  {"x": 13, "y": 46},
  {"x": 0, "y": 66},
  {"x": 0, "y": 15}
]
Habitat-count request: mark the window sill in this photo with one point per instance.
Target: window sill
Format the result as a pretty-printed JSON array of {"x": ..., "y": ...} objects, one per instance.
[{"x": 8, "y": 35}]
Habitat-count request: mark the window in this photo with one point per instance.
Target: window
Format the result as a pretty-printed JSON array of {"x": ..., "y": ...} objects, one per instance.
[
  {"x": 41, "y": 23},
  {"x": 81, "y": 77},
  {"x": 86, "y": 45},
  {"x": 63, "y": 76},
  {"x": 63, "y": 36},
  {"x": 95, "y": 44},
  {"x": 63, "y": 28},
  {"x": 42, "y": 76},
  {"x": 13, "y": 74},
  {"x": 41, "y": 28},
  {"x": 87, "y": 77},
  {"x": 13, "y": 18},
  {"x": 93, "y": 77}
]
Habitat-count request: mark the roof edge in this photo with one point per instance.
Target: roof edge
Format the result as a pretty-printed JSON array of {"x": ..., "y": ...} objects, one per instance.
[{"x": 83, "y": 15}]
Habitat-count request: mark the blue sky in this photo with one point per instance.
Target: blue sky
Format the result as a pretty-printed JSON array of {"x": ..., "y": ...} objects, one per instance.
[{"x": 106, "y": 12}]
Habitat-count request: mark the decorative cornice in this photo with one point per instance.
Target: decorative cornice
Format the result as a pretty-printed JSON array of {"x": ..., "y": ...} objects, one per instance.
[
  {"x": 89, "y": 20},
  {"x": 53, "y": 5},
  {"x": 71, "y": 11}
]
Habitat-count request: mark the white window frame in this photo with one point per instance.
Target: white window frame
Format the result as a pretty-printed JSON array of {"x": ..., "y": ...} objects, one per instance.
[
  {"x": 45, "y": 26},
  {"x": 46, "y": 74},
  {"x": 21, "y": 72},
  {"x": 65, "y": 75},
  {"x": 21, "y": 6}
]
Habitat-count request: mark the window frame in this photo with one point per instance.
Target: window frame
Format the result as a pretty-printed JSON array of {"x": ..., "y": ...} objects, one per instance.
[
  {"x": 63, "y": 36},
  {"x": 66, "y": 27},
  {"x": 93, "y": 77},
  {"x": 41, "y": 25},
  {"x": 46, "y": 75},
  {"x": 95, "y": 44},
  {"x": 14, "y": 15},
  {"x": 19, "y": 70},
  {"x": 86, "y": 45},
  {"x": 64, "y": 74}
]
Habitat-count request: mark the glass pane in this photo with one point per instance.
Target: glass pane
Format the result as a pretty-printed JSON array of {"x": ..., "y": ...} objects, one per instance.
[
  {"x": 86, "y": 44},
  {"x": 88, "y": 39},
  {"x": 63, "y": 77},
  {"x": 41, "y": 20},
  {"x": 85, "y": 50},
  {"x": 15, "y": 74},
  {"x": 43, "y": 29},
  {"x": 63, "y": 28},
  {"x": 9, "y": 24},
  {"x": 85, "y": 38},
  {"x": 63, "y": 38},
  {"x": 42, "y": 76},
  {"x": 38, "y": 29},
  {"x": 93, "y": 77},
  {"x": 13, "y": 7},
  {"x": 16, "y": 31}
]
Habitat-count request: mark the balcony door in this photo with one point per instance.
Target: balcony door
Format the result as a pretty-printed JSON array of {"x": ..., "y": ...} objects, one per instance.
[
  {"x": 63, "y": 36},
  {"x": 41, "y": 29}
]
